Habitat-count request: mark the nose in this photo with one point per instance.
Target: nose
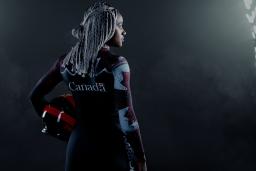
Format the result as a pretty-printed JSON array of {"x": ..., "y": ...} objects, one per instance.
[{"x": 124, "y": 33}]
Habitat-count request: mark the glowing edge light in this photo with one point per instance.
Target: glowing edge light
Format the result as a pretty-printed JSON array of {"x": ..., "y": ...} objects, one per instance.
[{"x": 250, "y": 5}]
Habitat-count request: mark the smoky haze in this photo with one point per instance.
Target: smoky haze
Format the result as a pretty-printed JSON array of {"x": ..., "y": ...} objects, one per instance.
[{"x": 192, "y": 76}]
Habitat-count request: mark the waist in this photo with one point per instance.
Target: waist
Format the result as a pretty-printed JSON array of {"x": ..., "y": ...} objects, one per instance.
[{"x": 98, "y": 131}]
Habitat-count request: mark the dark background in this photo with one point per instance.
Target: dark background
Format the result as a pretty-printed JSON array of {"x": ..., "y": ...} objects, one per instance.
[{"x": 193, "y": 81}]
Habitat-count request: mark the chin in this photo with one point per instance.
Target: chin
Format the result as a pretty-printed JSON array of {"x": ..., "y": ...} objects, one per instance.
[{"x": 120, "y": 44}]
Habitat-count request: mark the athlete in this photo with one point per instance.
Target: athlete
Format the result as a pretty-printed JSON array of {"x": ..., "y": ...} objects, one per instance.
[{"x": 107, "y": 134}]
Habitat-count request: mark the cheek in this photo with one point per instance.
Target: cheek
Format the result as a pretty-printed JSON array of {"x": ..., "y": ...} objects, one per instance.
[
  {"x": 118, "y": 34},
  {"x": 115, "y": 36},
  {"x": 116, "y": 39}
]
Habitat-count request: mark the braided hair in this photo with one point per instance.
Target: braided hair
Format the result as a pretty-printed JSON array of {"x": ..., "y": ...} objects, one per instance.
[{"x": 97, "y": 27}]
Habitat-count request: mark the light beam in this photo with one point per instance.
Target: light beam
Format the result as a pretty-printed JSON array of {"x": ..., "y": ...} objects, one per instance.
[{"x": 250, "y": 5}]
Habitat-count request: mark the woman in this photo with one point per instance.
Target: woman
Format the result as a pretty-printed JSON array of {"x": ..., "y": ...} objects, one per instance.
[{"x": 107, "y": 134}]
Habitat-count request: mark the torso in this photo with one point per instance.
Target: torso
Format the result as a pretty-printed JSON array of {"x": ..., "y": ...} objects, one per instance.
[{"x": 95, "y": 102}]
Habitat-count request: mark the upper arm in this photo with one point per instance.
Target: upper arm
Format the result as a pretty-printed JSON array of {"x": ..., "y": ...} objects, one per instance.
[
  {"x": 47, "y": 82},
  {"x": 121, "y": 73},
  {"x": 122, "y": 76}
]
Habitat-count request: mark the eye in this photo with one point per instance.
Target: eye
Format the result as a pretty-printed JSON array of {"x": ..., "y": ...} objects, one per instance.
[{"x": 120, "y": 25}]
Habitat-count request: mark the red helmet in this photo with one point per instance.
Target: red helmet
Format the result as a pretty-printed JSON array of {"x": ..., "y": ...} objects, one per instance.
[{"x": 59, "y": 117}]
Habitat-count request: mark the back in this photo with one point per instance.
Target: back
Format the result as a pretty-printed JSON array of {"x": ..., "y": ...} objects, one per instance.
[{"x": 96, "y": 101}]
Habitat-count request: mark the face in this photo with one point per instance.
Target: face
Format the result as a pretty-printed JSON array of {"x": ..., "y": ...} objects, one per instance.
[{"x": 118, "y": 38}]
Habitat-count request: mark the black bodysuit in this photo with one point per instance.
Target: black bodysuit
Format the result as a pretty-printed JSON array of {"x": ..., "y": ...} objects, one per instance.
[{"x": 107, "y": 135}]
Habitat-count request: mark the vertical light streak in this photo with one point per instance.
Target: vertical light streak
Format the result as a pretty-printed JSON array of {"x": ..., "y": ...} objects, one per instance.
[{"x": 250, "y": 5}]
